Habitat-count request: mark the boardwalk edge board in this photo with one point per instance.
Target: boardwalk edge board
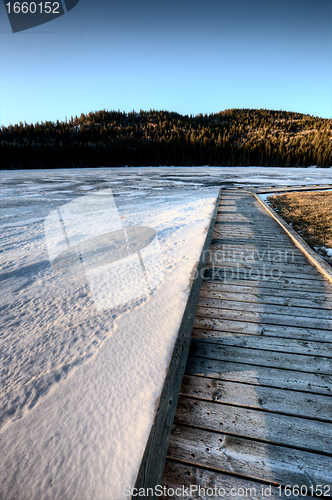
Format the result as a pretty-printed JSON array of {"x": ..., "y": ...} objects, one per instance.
[
  {"x": 154, "y": 457},
  {"x": 313, "y": 257}
]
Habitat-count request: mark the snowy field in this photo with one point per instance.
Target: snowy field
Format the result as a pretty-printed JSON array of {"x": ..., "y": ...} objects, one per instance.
[{"x": 81, "y": 375}]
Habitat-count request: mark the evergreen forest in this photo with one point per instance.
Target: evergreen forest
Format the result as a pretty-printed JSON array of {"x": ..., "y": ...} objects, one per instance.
[{"x": 234, "y": 137}]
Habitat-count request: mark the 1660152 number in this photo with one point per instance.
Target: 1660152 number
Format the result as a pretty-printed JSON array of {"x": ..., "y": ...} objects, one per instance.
[
  {"x": 320, "y": 490},
  {"x": 33, "y": 7}
]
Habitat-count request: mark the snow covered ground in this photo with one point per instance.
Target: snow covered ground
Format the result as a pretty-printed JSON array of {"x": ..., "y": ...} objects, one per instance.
[{"x": 80, "y": 384}]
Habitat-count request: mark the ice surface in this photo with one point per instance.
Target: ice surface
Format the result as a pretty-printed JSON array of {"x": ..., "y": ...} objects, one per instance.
[
  {"x": 80, "y": 385},
  {"x": 265, "y": 196}
]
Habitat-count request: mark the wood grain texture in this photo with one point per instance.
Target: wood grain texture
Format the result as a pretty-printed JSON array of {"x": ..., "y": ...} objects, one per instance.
[
  {"x": 256, "y": 399},
  {"x": 212, "y": 327},
  {"x": 276, "y": 344},
  {"x": 231, "y": 304},
  {"x": 227, "y": 486},
  {"x": 283, "y": 286},
  {"x": 295, "y": 432},
  {"x": 293, "y": 403},
  {"x": 266, "y": 271},
  {"x": 249, "y": 295},
  {"x": 261, "y": 357},
  {"x": 314, "y": 383},
  {"x": 262, "y": 279},
  {"x": 249, "y": 458},
  {"x": 265, "y": 318}
]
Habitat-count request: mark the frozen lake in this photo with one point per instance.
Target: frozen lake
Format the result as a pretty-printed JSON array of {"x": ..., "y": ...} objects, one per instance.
[
  {"x": 80, "y": 374},
  {"x": 28, "y": 196}
]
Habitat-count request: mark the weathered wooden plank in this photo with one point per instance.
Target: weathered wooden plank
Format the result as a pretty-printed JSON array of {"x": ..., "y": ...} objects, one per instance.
[
  {"x": 260, "y": 385},
  {"x": 260, "y": 375},
  {"x": 250, "y": 254},
  {"x": 300, "y": 267},
  {"x": 178, "y": 475},
  {"x": 293, "y": 432},
  {"x": 249, "y": 216},
  {"x": 254, "y": 293},
  {"x": 232, "y": 237},
  {"x": 247, "y": 231},
  {"x": 282, "y": 189},
  {"x": 246, "y": 260},
  {"x": 260, "y": 357},
  {"x": 259, "y": 238},
  {"x": 272, "y": 273},
  {"x": 257, "y": 307},
  {"x": 263, "y": 235},
  {"x": 232, "y": 214},
  {"x": 251, "y": 221},
  {"x": 278, "y": 344},
  {"x": 249, "y": 242},
  {"x": 245, "y": 240},
  {"x": 218, "y": 239},
  {"x": 264, "y": 318},
  {"x": 282, "y": 283},
  {"x": 260, "y": 250},
  {"x": 225, "y": 275},
  {"x": 250, "y": 258},
  {"x": 211, "y": 327},
  {"x": 188, "y": 482},
  {"x": 273, "y": 298},
  {"x": 292, "y": 403},
  {"x": 222, "y": 260},
  {"x": 259, "y": 245},
  {"x": 228, "y": 220},
  {"x": 254, "y": 233},
  {"x": 248, "y": 458},
  {"x": 224, "y": 217},
  {"x": 284, "y": 268}
]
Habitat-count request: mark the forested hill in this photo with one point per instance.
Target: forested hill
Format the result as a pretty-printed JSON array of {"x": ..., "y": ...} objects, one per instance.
[{"x": 238, "y": 137}]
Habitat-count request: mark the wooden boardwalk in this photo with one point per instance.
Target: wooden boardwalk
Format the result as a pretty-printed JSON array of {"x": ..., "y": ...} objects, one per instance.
[{"x": 255, "y": 405}]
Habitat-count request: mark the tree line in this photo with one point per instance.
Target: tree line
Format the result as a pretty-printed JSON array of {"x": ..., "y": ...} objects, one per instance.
[{"x": 234, "y": 137}]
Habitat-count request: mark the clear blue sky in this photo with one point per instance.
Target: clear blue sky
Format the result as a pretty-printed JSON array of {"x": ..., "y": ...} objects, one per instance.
[{"x": 189, "y": 56}]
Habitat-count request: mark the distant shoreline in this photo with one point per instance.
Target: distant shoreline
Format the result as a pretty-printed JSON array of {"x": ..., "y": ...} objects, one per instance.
[{"x": 155, "y": 166}]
